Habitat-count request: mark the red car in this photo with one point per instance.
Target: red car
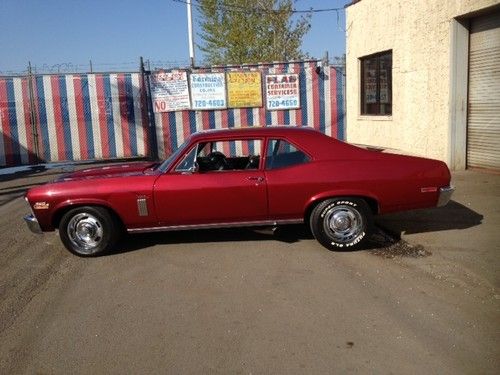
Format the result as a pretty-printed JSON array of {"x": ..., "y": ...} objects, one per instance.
[{"x": 240, "y": 177}]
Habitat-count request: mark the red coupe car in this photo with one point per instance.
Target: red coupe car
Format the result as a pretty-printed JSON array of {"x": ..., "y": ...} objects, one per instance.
[{"x": 256, "y": 176}]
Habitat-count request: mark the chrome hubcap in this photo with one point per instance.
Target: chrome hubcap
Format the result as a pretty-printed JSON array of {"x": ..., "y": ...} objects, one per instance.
[
  {"x": 85, "y": 232},
  {"x": 343, "y": 223}
]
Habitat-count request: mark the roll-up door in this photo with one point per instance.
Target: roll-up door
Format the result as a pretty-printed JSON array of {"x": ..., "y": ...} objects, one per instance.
[{"x": 483, "y": 129}]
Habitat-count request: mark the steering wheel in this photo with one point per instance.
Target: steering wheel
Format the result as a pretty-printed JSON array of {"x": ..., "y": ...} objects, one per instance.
[
  {"x": 253, "y": 162},
  {"x": 217, "y": 160}
]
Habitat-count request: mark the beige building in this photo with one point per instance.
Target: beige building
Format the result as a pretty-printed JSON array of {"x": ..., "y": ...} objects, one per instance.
[{"x": 423, "y": 76}]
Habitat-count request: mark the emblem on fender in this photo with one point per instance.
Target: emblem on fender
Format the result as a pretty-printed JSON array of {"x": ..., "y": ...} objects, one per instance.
[{"x": 41, "y": 206}]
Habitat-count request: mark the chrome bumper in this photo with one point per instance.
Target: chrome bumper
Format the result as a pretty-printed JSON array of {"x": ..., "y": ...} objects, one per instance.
[
  {"x": 32, "y": 223},
  {"x": 445, "y": 194}
]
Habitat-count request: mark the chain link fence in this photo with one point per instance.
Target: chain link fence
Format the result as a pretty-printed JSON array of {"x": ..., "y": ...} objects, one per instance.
[{"x": 103, "y": 116}]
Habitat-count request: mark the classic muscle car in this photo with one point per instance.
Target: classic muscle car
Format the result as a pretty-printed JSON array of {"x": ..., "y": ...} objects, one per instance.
[{"x": 255, "y": 176}]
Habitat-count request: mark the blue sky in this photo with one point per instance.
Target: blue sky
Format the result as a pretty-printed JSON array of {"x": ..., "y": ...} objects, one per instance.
[{"x": 114, "y": 33}]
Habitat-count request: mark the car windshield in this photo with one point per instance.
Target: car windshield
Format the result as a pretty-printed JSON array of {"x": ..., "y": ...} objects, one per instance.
[{"x": 166, "y": 164}]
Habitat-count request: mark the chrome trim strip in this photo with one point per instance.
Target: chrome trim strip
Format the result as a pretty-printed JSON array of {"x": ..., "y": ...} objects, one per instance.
[
  {"x": 32, "y": 223},
  {"x": 216, "y": 225},
  {"x": 445, "y": 194},
  {"x": 142, "y": 206}
]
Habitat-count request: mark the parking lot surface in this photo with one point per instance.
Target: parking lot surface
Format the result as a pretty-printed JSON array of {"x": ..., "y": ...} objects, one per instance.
[{"x": 257, "y": 301}]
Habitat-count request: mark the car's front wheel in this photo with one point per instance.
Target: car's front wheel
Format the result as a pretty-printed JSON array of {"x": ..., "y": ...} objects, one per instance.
[
  {"x": 342, "y": 223},
  {"x": 88, "y": 231}
]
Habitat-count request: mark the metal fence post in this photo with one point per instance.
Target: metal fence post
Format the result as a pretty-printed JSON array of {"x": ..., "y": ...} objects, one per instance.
[
  {"x": 149, "y": 105},
  {"x": 33, "y": 122}
]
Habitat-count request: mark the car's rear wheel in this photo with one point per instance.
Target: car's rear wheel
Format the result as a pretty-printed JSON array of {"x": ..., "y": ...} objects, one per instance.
[
  {"x": 88, "y": 231},
  {"x": 342, "y": 223}
]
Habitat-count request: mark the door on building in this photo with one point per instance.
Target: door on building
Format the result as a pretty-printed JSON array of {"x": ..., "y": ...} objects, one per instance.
[{"x": 483, "y": 122}]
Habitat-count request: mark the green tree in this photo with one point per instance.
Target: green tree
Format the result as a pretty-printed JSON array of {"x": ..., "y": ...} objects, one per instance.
[{"x": 251, "y": 31}]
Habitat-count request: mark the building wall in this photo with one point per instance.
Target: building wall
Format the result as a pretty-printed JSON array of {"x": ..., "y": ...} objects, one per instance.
[{"x": 419, "y": 32}]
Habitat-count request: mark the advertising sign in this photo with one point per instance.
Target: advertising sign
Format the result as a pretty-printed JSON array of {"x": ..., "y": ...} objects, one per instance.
[
  {"x": 371, "y": 86},
  {"x": 244, "y": 89},
  {"x": 282, "y": 91},
  {"x": 169, "y": 91},
  {"x": 384, "y": 87},
  {"x": 208, "y": 91}
]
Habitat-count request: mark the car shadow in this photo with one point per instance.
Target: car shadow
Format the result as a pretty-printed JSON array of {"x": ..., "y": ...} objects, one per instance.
[
  {"x": 452, "y": 216},
  {"x": 285, "y": 233},
  {"x": 386, "y": 239}
]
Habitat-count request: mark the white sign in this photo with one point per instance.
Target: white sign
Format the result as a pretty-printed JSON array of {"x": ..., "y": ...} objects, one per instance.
[
  {"x": 282, "y": 91},
  {"x": 208, "y": 90},
  {"x": 170, "y": 91}
]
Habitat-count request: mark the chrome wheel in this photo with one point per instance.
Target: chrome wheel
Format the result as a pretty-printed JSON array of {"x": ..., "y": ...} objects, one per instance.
[
  {"x": 85, "y": 232},
  {"x": 343, "y": 223}
]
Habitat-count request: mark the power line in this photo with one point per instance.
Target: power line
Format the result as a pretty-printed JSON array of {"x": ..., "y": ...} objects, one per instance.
[{"x": 241, "y": 8}]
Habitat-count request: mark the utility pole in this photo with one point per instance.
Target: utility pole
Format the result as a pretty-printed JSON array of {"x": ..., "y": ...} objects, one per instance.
[{"x": 190, "y": 32}]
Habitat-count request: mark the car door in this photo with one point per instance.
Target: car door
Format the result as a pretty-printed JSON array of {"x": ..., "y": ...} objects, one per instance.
[
  {"x": 290, "y": 179},
  {"x": 194, "y": 194}
]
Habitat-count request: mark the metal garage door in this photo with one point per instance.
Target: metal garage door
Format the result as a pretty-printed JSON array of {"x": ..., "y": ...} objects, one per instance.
[{"x": 483, "y": 132}]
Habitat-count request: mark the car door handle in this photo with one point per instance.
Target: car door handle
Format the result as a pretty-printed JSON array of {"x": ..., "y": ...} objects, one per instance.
[{"x": 257, "y": 179}]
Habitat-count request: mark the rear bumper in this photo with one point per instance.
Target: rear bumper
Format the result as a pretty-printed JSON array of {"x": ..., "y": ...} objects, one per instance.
[
  {"x": 445, "y": 194},
  {"x": 32, "y": 224}
]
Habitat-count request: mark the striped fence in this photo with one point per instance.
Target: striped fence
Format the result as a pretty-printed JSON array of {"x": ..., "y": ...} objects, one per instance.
[
  {"x": 16, "y": 141},
  {"x": 91, "y": 116},
  {"x": 321, "y": 107},
  {"x": 71, "y": 117}
]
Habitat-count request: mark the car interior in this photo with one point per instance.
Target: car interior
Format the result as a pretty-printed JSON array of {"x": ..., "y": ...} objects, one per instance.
[
  {"x": 209, "y": 157},
  {"x": 217, "y": 161}
]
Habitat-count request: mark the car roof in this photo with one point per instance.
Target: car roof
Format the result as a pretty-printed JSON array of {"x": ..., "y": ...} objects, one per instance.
[
  {"x": 275, "y": 130},
  {"x": 315, "y": 143},
  {"x": 310, "y": 140}
]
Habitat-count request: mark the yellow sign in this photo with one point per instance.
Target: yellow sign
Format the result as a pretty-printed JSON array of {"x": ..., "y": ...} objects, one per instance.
[{"x": 244, "y": 89}]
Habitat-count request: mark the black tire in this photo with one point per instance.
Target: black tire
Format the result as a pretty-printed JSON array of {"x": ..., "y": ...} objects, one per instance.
[
  {"x": 342, "y": 223},
  {"x": 89, "y": 231}
]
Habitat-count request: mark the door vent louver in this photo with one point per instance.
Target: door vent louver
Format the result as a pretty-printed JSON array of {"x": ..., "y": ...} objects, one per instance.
[{"x": 142, "y": 206}]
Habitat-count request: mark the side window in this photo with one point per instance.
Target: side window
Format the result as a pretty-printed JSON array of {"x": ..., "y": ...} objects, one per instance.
[
  {"x": 187, "y": 161},
  {"x": 222, "y": 155},
  {"x": 281, "y": 153}
]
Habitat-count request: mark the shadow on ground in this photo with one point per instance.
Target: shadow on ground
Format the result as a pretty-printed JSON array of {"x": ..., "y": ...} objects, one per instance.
[
  {"x": 386, "y": 240},
  {"x": 286, "y": 233},
  {"x": 24, "y": 172},
  {"x": 391, "y": 227},
  {"x": 452, "y": 216}
]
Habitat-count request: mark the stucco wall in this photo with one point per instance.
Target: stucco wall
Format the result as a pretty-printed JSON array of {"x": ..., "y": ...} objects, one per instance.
[{"x": 419, "y": 33}]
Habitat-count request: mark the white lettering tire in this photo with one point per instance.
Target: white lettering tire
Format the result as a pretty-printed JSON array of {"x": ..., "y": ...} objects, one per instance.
[{"x": 342, "y": 223}]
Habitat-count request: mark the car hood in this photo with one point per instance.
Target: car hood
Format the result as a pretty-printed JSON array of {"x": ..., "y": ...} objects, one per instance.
[{"x": 109, "y": 171}]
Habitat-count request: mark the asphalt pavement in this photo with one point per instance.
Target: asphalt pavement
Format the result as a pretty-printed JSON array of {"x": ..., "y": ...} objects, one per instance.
[{"x": 423, "y": 298}]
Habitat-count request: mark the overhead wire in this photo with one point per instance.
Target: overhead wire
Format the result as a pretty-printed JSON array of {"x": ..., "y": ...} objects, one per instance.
[{"x": 241, "y": 8}]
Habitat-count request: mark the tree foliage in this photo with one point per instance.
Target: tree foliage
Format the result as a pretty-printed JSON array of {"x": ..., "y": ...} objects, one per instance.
[{"x": 251, "y": 31}]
